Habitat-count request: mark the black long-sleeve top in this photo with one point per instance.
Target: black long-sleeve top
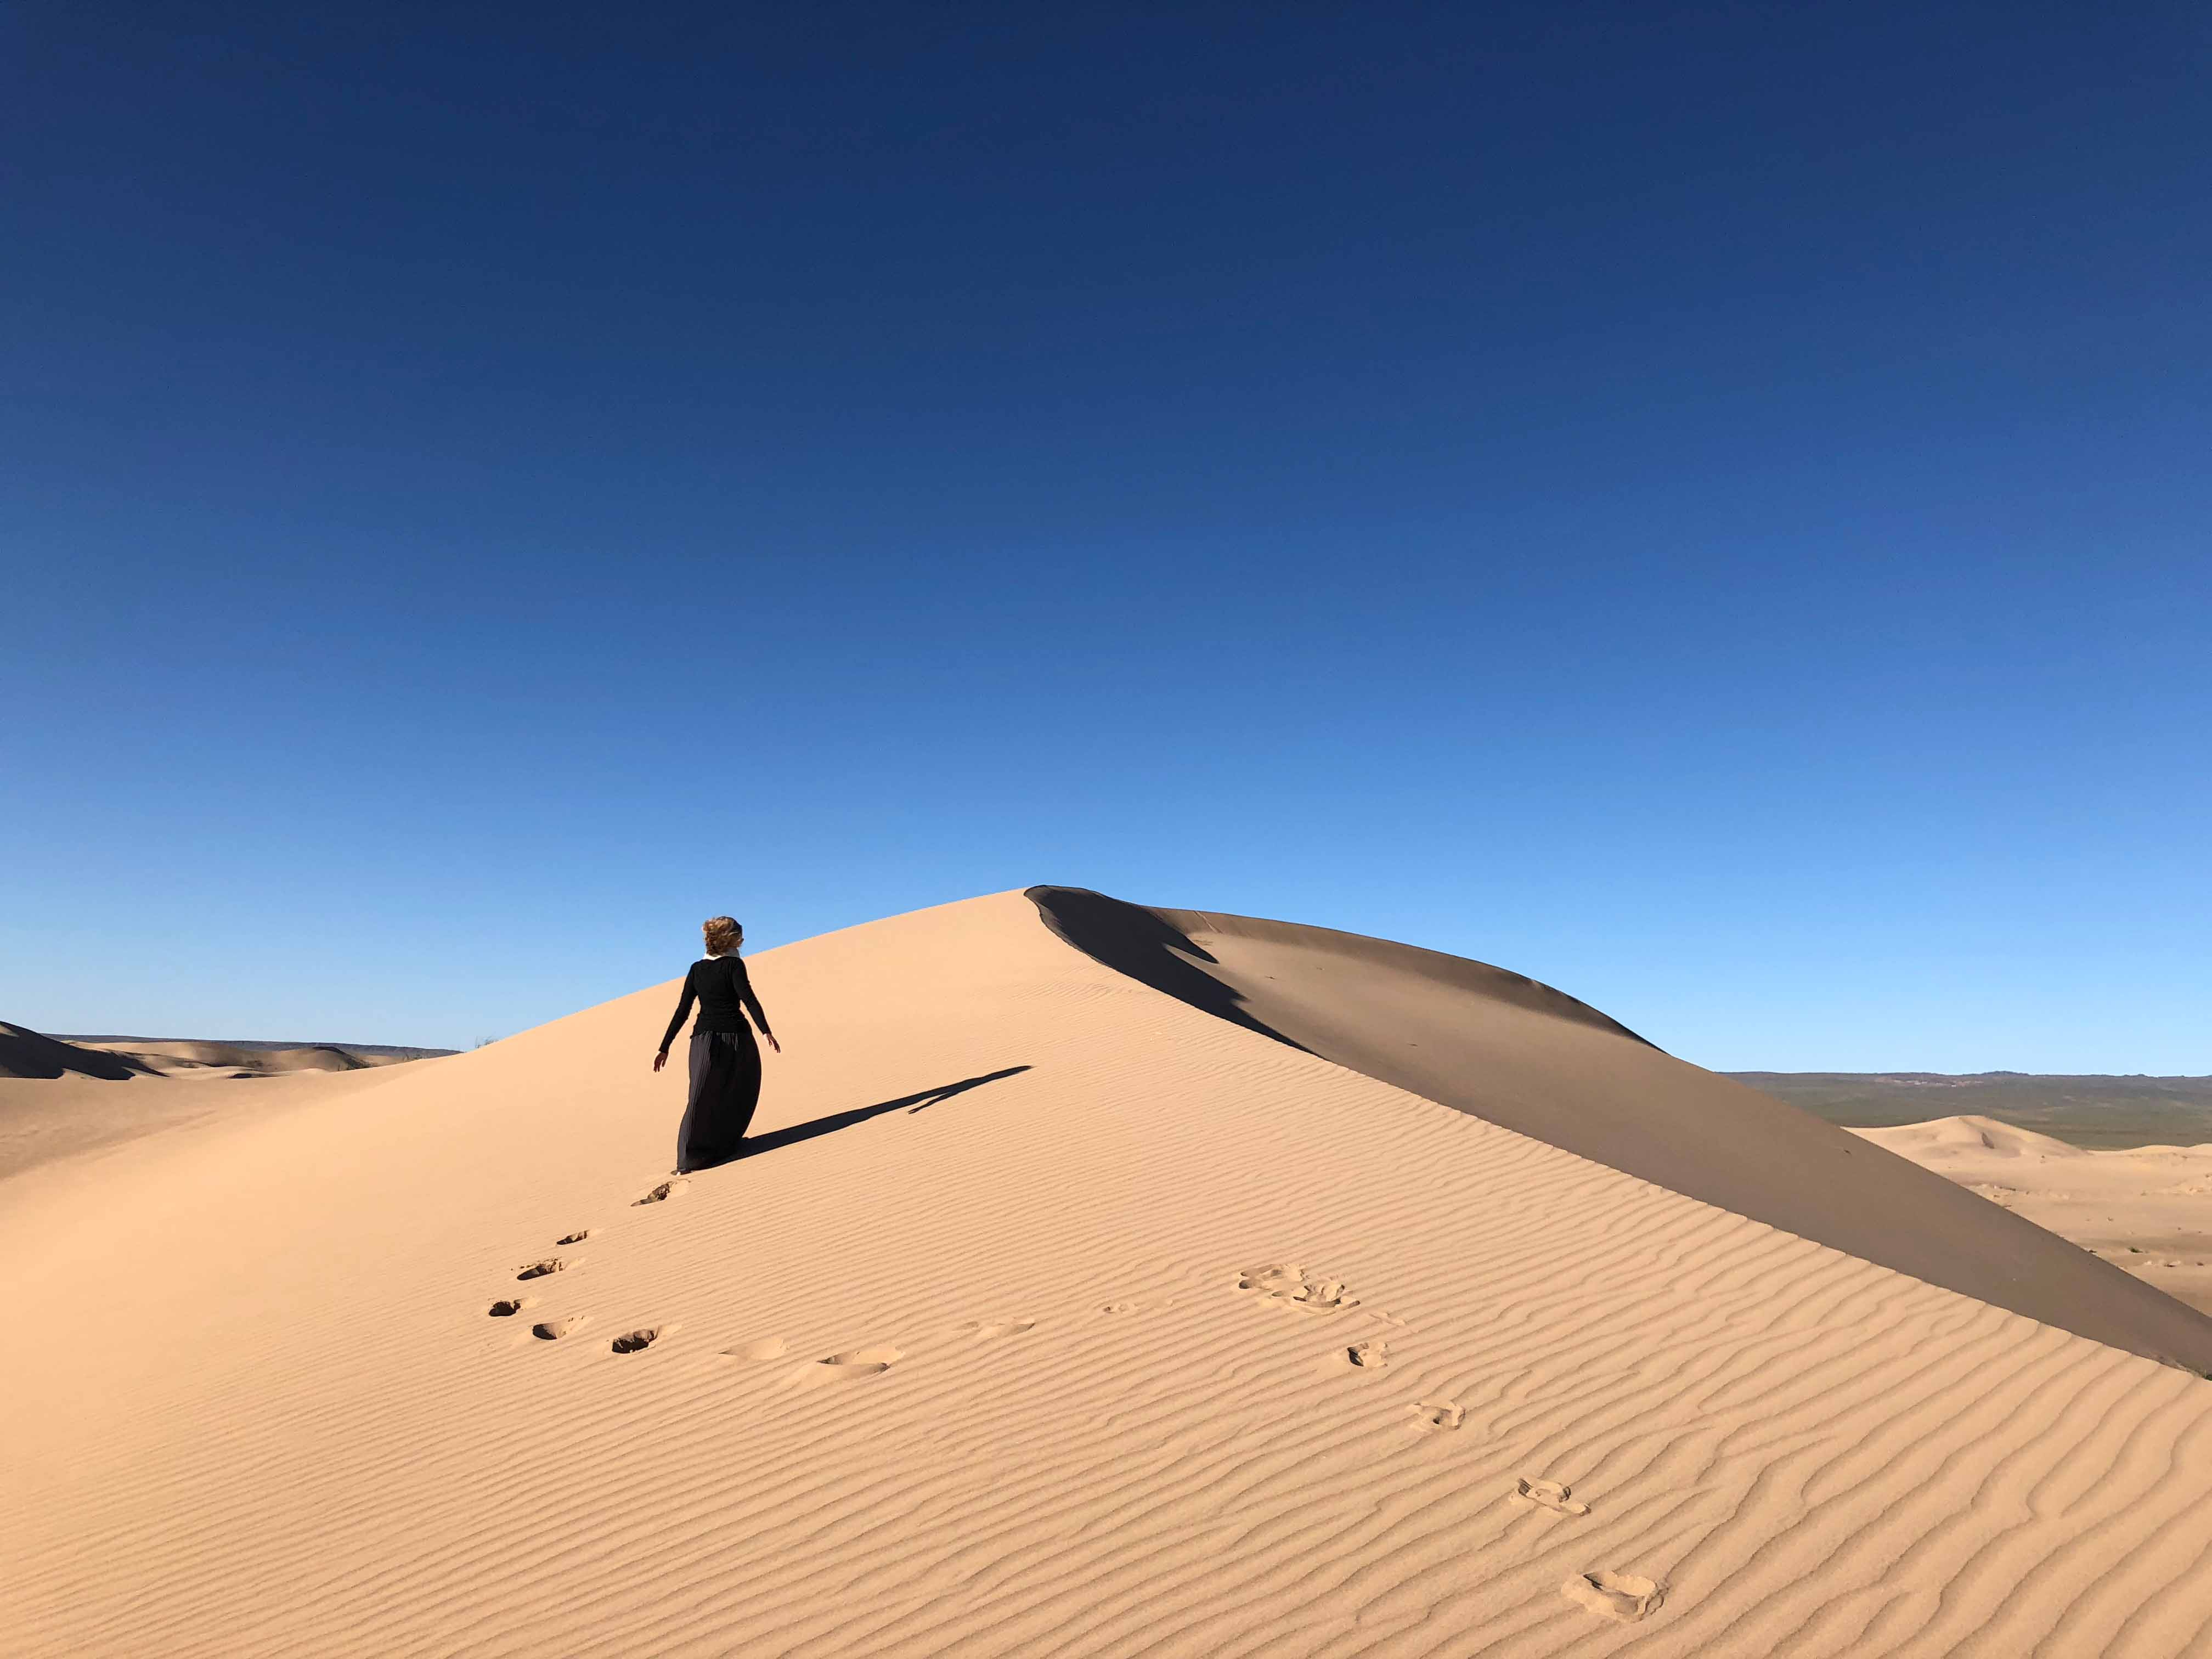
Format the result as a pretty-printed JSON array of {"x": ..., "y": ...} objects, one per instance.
[{"x": 724, "y": 992}]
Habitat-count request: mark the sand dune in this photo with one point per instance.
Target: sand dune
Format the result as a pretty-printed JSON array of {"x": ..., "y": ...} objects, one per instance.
[
  {"x": 1941, "y": 1137},
  {"x": 1059, "y": 1316}
]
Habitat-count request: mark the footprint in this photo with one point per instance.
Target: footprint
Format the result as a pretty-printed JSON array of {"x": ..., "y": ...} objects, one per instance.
[
  {"x": 766, "y": 1347},
  {"x": 511, "y": 1306},
  {"x": 552, "y": 1330},
  {"x": 552, "y": 1264},
  {"x": 1367, "y": 1355},
  {"x": 576, "y": 1237},
  {"x": 1007, "y": 1328},
  {"x": 1624, "y": 1597},
  {"x": 1119, "y": 1307},
  {"x": 1286, "y": 1282},
  {"x": 849, "y": 1367},
  {"x": 664, "y": 1191},
  {"x": 1547, "y": 1495},
  {"x": 638, "y": 1340},
  {"x": 1439, "y": 1415}
]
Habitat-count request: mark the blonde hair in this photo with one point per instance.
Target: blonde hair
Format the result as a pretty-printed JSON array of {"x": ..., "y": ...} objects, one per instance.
[{"x": 722, "y": 935}]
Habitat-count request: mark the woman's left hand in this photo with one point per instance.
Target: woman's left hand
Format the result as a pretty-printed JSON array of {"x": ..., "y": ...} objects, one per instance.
[{"x": 772, "y": 1042}]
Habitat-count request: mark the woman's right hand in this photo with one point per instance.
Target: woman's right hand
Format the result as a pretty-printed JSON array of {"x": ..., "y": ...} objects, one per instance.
[{"x": 660, "y": 1060}]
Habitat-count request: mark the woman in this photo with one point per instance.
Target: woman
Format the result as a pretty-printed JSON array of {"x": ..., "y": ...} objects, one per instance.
[{"x": 725, "y": 1061}]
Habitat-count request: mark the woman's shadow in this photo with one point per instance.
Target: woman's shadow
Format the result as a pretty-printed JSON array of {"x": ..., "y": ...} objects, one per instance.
[{"x": 756, "y": 1144}]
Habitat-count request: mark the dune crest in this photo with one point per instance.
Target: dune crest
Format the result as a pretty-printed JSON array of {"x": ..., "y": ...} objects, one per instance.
[{"x": 1055, "y": 1315}]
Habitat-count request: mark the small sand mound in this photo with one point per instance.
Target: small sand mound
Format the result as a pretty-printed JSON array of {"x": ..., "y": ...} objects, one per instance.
[{"x": 1972, "y": 1134}]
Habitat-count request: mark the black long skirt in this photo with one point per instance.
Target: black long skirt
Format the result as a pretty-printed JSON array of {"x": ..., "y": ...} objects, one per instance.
[{"x": 725, "y": 1079}]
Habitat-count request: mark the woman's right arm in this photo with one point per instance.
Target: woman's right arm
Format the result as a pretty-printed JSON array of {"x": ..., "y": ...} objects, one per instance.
[{"x": 683, "y": 1008}]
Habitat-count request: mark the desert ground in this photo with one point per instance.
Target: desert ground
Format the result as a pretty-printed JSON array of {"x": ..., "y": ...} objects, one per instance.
[
  {"x": 2145, "y": 1209},
  {"x": 1101, "y": 1281}
]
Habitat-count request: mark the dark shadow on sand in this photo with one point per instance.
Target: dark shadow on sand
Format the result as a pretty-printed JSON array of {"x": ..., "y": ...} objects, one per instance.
[
  {"x": 1147, "y": 947},
  {"x": 755, "y": 1146}
]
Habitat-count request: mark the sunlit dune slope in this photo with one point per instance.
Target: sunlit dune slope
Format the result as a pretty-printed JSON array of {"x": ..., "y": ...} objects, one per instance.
[{"x": 1054, "y": 1315}]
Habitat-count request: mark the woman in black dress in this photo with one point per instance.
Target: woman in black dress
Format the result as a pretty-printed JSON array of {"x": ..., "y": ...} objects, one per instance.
[{"x": 725, "y": 1061}]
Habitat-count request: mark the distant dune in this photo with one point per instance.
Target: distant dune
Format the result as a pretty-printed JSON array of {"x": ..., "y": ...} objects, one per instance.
[{"x": 1104, "y": 1281}]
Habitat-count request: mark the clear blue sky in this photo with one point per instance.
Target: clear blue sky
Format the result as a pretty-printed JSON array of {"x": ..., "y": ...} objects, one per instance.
[{"x": 1704, "y": 505}]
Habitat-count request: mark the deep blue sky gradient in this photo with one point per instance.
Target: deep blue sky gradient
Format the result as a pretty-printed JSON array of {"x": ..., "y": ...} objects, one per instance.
[{"x": 1704, "y": 505}]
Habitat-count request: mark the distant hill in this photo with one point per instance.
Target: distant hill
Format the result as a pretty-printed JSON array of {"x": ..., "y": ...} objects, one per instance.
[{"x": 2095, "y": 1112}]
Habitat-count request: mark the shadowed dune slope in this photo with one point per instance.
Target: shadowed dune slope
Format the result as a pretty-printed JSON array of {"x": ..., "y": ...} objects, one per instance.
[
  {"x": 1534, "y": 1060},
  {"x": 28, "y": 1053}
]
